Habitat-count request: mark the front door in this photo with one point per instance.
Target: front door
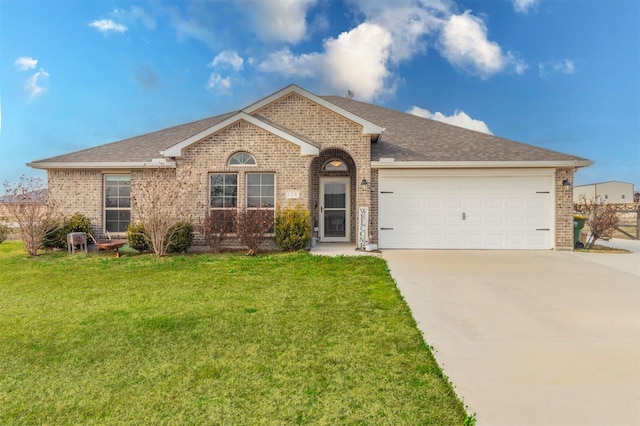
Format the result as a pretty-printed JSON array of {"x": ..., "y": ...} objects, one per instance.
[{"x": 334, "y": 209}]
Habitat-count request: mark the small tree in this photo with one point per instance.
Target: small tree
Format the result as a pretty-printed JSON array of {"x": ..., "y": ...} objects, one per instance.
[
  {"x": 293, "y": 228},
  {"x": 216, "y": 227},
  {"x": 601, "y": 218},
  {"x": 158, "y": 207},
  {"x": 252, "y": 227},
  {"x": 26, "y": 201}
]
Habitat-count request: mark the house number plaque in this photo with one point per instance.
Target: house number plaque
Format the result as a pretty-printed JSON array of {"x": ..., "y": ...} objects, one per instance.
[{"x": 292, "y": 195}]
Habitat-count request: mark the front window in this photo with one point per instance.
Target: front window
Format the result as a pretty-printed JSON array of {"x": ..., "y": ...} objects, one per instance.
[
  {"x": 117, "y": 203},
  {"x": 224, "y": 199},
  {"x": 261, "y": 190},
  {"x": 261, "y": 193},
  {"x": 224, "y": 191}
]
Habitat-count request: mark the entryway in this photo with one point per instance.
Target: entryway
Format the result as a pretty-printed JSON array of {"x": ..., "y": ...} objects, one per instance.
[{"x": 334, "y": 209}]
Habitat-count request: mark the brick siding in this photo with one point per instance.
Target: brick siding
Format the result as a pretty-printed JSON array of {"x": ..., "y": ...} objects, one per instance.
[{"x": 564, "y": 210}]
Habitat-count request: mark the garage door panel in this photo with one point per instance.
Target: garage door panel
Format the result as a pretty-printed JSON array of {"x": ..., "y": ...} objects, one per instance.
[{"x": 500, "y": 212}]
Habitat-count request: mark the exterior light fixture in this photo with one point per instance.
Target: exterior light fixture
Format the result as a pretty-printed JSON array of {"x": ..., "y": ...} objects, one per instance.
[
  {"x": 566, "y": 183},
  {"x": 364, "y": 183}
]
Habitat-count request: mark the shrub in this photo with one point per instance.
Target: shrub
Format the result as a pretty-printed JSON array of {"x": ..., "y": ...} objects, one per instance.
[
  {"x": 57, "y": 238},
  {"x": 216, "y": 226},
  {"x": 181, "y": 235},
  {"x": 252, "y": 227},
  {"x": 293, "y": 228},
  {"x": 54, "y": 235},
  {"x": 138, "y": 237},
  {"x": 4, "y": 232}
]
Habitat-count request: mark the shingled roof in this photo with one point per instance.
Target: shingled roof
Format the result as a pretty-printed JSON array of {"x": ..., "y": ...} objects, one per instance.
[
  {"x": 406, "y": 138},
  {"x": 142, "y": 148},
  {"x": 411, "y": 138}
]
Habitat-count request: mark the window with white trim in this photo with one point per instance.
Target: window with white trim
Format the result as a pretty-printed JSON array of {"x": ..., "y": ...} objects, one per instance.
[
  {"x": 242, "y": 159},
  {"x": 261, "y": 193},
  {"x": 224, "y": 190},
  {"x": 261, "y": 190},
  {"x": 117, "y": 203},
  {"x": 223, "y": 199}
]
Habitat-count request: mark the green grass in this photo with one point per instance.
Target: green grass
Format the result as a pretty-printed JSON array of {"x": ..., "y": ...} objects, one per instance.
[{"x": 211, "y": 339}]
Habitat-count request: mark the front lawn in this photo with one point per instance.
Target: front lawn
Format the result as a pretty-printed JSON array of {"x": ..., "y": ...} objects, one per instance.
[{"x": 211, "y": 339}]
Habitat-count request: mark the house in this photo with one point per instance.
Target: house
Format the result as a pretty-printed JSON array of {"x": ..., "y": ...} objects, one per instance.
[
  {"x": 366, "y": 173},
  {"x": 614, "y": 192}
]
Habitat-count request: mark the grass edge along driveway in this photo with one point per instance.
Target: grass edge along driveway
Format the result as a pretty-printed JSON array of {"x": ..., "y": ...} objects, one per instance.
[{"x": 212, "y": 339}]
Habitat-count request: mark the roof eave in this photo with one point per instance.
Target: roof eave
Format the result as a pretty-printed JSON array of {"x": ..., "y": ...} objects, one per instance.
[
  {"x": 391, "y": 164},
  {"x": 156, "y": 163}
]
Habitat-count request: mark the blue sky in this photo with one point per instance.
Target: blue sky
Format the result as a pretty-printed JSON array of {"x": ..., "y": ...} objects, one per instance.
[{"x": 563, "y": 75}]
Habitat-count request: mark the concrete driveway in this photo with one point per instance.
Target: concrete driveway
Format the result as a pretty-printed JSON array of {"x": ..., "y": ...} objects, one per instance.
[{"x": 530, "y": 337}]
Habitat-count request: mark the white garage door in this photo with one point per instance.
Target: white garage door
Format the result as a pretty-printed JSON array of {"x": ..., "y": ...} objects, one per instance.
[{"x": 480, "y": 209}]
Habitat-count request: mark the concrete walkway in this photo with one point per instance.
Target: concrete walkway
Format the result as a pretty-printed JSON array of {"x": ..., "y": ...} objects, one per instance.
[{"x": 530, "y": 337}]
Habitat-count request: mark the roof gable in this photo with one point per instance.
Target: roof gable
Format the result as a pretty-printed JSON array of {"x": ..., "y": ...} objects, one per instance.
[
  {"x": 306, "y": 148},
  {"x": 368, "y": 127}
]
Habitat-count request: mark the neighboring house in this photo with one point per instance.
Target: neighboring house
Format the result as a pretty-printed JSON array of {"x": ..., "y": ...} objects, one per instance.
[
  {"x": 366, "y": 173},
  {"x": 613, "y": 192}
]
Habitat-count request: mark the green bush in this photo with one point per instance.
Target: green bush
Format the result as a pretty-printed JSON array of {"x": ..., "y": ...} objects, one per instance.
[
  {"x": 181, "y": 237},
  {"x": 4, "y": 232},
  {"x": 55, "y": 236},
  {"x": 293, "y": 228},
  {"x": 58, "y": 238},
  {"x": 138, "y": 237}
]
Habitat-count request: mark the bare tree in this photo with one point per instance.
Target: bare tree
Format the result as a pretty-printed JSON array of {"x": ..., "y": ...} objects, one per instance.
[
  {"x": 158, "y": 205},
  {"x": 601, "y": 218},
  {"x": 26, "y": 201}
]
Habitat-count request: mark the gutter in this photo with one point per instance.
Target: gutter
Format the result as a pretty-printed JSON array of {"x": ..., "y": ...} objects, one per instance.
[
  {"x": 153, "y": 164},
  {"x": 390, "y": 163}
]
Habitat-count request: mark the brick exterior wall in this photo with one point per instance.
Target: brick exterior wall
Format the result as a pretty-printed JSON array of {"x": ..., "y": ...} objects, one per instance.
[
  {"x": 81, "y": 191},
  {"x": 564, "y": 210}
]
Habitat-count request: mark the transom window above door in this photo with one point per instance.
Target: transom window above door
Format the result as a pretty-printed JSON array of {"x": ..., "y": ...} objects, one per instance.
[
  {"x": 335, "y": 165},
  {"x": 242, "y": 159}
]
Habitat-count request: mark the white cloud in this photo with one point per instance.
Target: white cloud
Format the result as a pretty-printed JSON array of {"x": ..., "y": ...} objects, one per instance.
[
  {"x": 218, "y": 83},
  {"x": 281, "y": 20},
  {"x": 228, "y": 58},
  {"x": 107, "y": 25},
  {"x": 35, "y": 84},
  {"x": 459, "y": 118},
  {"x": 464, "y": 43},
  {"x": 286, "y": 63},
  {"x": 564, "y": 66},
  {"x": 356, "y": 60},
  {"x": 134, "y": 14},
  {"x": 364, "y": 58},
  {"x": 25, "y": 63},
  {"x": 524, "y": 6}
]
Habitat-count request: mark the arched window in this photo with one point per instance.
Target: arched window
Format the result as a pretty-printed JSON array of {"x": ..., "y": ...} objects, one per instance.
[
  {"x": 242, "y": 159},
  {"x": 335, "y": 165}
]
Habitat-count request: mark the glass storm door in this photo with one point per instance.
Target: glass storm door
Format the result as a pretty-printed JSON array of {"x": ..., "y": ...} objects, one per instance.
[{"x": 334, "y": 209}]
